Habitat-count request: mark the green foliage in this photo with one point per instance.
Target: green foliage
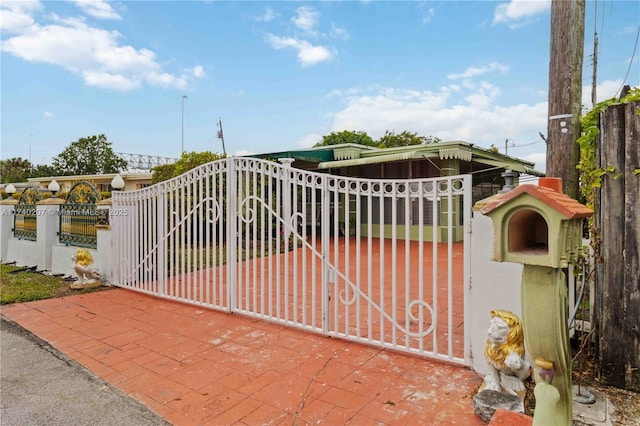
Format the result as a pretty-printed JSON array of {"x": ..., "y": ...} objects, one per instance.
[
  {"x": 391, "y": 139},
  {"x": 191, "y": 160},
  {"x": 14, "y": 170},
  {"x": 188, "y": 161},
  {"x": 44, "y": 170},
  {"x": 87, "y": 156},
  {"x": 347, "y": 136},
  {"x": 162, "y": 172},
  {"x": 28, "y": 286},
  {"x": 590, "y": 173}
]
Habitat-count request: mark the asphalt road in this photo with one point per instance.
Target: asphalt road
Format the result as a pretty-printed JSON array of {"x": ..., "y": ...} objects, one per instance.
[{"x": 41, "y": 386}]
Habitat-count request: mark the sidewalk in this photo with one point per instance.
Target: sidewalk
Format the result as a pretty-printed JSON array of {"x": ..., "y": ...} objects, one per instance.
[
  {"x": 196, "y": 366},
  {"x": 41, "y": 386}
]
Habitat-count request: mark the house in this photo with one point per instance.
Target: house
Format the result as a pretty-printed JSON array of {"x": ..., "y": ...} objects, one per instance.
[
  {"x": 409, "y": 162},
  {"x": 102, "y": 182}
]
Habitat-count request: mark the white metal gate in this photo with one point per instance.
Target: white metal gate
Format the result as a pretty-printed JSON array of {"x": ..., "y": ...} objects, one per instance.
[{"x": 383, "y": 262}]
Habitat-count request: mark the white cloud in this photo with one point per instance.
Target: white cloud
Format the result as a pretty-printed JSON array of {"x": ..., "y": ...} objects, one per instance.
[
  {"x": 477, "y": 119},
  {"x": 48, "y": 114},
  {"x": 198, "y": 71},
  {"x": 519, "y": 12},
  {"x": 428, "y": 16},
  {"x": 308, "y": 54},
  {"x": 539, "y": 159},
  {"x": 17, "y": 15},
  {"x": 306, "y": 18},
  {"x": 268, "y": 16},
  {"x": 309, "y": 140},
  {"x": 604, "y": 90},
  {"x": 93, "y": 53},
  {"x": 475, "y": 71},
  {"x": 339, "y": 32},
  {"x": 97, "y": 8},
  {"x": 111, "y": 81}
]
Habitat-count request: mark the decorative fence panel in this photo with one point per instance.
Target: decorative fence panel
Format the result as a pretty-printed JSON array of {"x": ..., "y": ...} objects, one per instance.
[
  {"x": 25, "y": 215},
  {"x": 382, "y": 262},
  {"x": 78, "y": 216}
]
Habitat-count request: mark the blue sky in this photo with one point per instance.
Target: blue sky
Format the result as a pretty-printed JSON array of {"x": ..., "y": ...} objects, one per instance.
[{"x": 282, "y": 74}]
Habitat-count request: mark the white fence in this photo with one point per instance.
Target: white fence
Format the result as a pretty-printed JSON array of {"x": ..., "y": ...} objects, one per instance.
[
  {"x": 309, "y": 266},
  {"x": 381, "y": 262}
]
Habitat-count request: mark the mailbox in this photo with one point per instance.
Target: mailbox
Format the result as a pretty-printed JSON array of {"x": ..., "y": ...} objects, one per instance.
[
  {"x": 537, "y": 225},
  {"x": 540, "y": 227}
]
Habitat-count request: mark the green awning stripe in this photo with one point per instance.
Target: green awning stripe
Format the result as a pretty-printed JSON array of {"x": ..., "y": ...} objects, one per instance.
[{"x": 401, "y": 156}]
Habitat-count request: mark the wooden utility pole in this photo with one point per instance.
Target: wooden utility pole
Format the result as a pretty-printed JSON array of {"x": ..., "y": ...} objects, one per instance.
[{"x": 565, "y": 92}]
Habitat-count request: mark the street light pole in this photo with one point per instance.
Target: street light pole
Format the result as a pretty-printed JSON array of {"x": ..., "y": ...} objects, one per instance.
[
  {"x": 30, "y": 163},
  {"x": 183, "y": 98}
]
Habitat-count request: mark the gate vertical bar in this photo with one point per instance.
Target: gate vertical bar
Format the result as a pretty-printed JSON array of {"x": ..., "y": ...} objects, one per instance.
[
  {"x": 326, "y": 273},
  {"x": 160, "y": 233},
  {"x": 467, "y": 199},
  {"x": 232, "y": 233},
  {"x": 450, "y": 225}
]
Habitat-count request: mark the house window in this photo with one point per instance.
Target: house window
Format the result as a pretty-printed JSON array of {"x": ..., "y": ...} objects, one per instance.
[{"x": 142, "y": 185}]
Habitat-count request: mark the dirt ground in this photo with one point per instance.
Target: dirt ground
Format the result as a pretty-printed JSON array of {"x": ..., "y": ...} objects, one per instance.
[{"x": 626, "y": 403}]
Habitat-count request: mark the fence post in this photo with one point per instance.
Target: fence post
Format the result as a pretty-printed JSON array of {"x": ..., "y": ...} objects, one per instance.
[
  {"x": 286, "y": 201},
  {"x": 6, "y": 225},
  {"x": 103, "y": 239},
  {"x": 232, "y": 232},
  {"x": 47, "y": 212}
]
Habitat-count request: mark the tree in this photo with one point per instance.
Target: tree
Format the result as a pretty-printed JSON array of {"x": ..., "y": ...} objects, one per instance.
[
  {"x": 188, "y": 161},
  {"x": 88, "y": 156},
  {"x": 391, "y": 139},
  {"x": 162, "y": 172},
  {"x": 44, "y": 170},
  {"x": 15, "y": 170},
  {"x": 346, "y": 136}
]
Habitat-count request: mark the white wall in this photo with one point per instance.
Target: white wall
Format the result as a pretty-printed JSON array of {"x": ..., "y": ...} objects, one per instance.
[
  {"x": 494, "y": 285},
  {"x": 46, "y": 253},
  {"x": 23, "y": 252}
]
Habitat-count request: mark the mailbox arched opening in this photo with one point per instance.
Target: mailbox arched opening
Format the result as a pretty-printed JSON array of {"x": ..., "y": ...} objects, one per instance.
[{"x": 528, "y": 233}]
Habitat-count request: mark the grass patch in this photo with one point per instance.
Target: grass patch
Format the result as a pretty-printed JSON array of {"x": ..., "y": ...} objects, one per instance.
[{"x": 28, "y": 286}]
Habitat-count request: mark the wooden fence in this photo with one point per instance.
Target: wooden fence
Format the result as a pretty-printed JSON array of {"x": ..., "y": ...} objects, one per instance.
[{"x": 618, "y": 276}]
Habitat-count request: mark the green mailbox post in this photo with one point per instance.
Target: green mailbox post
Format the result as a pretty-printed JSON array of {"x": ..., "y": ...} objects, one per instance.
[{"x": 540, "y": 227}]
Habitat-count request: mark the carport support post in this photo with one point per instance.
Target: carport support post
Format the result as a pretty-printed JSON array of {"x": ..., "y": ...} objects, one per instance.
[
  {"x": 286, "y": 163},
  {"x": 6, "y": 225},
  {"x": 544, "y": 320},
  {"x": 47, "y": 224}
]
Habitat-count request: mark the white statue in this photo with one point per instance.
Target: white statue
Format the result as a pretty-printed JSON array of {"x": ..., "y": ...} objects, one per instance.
[
  {"x": 505, "y": 353},
  {"x": 88, "y": 273}
]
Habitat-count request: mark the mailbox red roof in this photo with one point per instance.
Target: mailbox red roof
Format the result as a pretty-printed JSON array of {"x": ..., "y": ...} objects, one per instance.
[{"x": 564, "y": 204}]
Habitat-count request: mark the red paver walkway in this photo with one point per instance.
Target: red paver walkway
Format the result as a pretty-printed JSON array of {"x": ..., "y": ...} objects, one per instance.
[{"x": 196, "y": 366}]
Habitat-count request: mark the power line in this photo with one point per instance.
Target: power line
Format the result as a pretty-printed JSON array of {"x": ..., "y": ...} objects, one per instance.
[
  {"x": 595, "y": 57},
  {"x": 635, "y": 46}
]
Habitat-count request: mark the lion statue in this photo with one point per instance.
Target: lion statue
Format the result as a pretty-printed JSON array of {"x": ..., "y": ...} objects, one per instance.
[
  {"x": 88, "y": 273},
  {"x": 505, "y": 353}
]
